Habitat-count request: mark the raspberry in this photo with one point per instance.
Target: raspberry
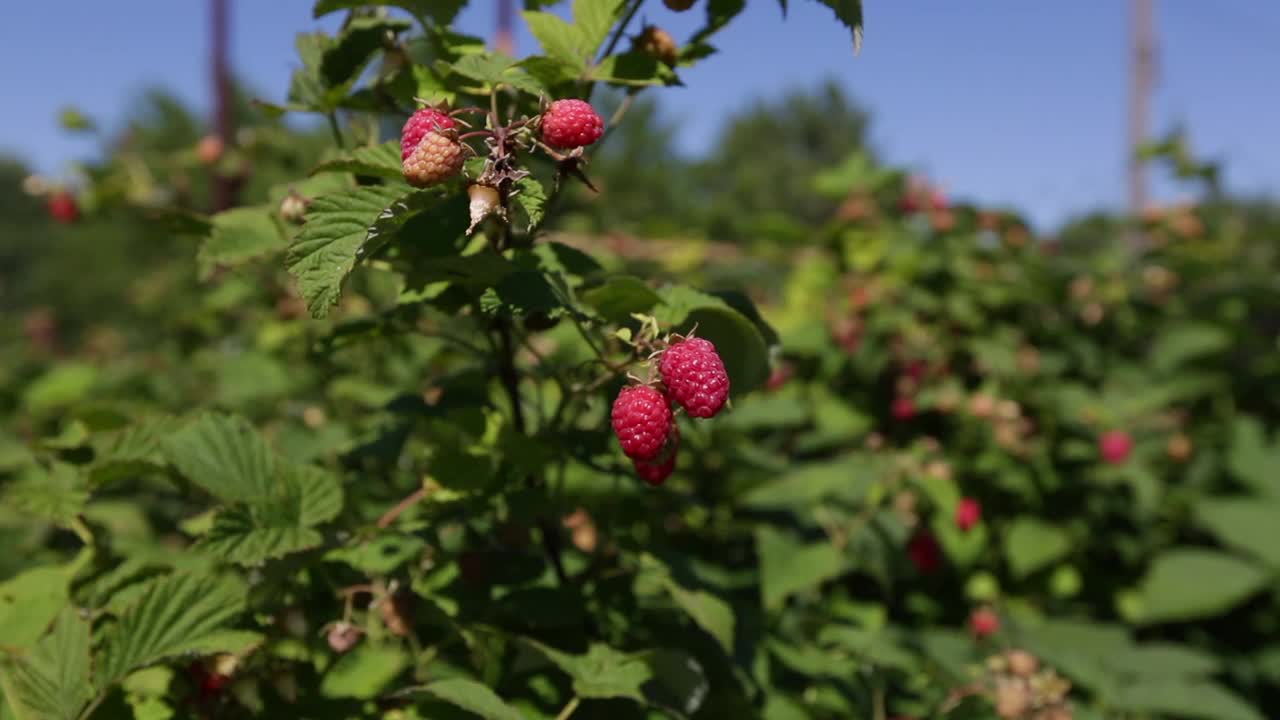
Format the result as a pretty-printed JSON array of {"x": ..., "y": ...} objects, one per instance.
[
  {"x": 437, "y": 157},
  {"x": 968, "y": 514},
  {"x": 904, "y": 408},
  {"x": 209, "y": 150},
  {"x": 343, "y": 636},
  {"x": 924, "y": 551},
  {"x": 418, "y": 125},
  {"x": 63, "y": 208},
  {"x": 658, "y": 43},
  {"x": 656, "y": 470},
  {"x": 679, "y": 5},
  {"x": 484, "y": 201},
  {"x": 571, "y": 124},
  {"x": 642, "y": 421},
  {"x": 1115, "y": 445},
  {"x": 695, "y": 376},
  {"x": 984, "y": 622}
]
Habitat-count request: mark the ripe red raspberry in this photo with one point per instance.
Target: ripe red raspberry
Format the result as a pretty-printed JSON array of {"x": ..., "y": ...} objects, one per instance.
[
  {"x": 695, "y": 376},
  {"x": 984, "y": 622},
  {"x": 63, "y": 208},
  {"x": 418, "y": 125},
  {"x": 642, "y": 421},
  {"x": 656, "y": 471},
  {"x": 1115, "y": 445},
  {"x": 437, "y": 158},
  {"x": 570, "y": 124},
  {"x": 968, "y": 514},
  {"x": 904, "y": 408},
  {"x": 924, "y": 551}
]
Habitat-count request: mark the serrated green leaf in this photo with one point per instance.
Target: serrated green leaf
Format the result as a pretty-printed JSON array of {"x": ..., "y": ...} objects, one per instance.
[
  {"x": 238, "y": 236},
  {"x": 559, "y": 39},
  {"x": 1253, "y": 459},
  {"x": 325, "y": 251},
  {"x": 52, "y": 682},
  {"x": 620, "y": 296},
  {"x": 375, "y": 161},
  {"x": 175, "y": 616},
  {"x": 1187, "y": 584},
  {"x": 849, "y": 13},
  {"x": 57, "y": 495},
  {"x": 472, "y": 697},
  {"x": 530, "y": 198},
  {"x": 224, "y": 455},
  {"x": 660, "y": 678},
  {"x": 60, "y": 386},
  {"x": 379, "y": 556}
]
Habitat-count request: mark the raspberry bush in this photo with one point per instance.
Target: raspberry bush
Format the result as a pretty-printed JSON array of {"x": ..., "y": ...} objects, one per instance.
[{"x": 391, "y": 438}]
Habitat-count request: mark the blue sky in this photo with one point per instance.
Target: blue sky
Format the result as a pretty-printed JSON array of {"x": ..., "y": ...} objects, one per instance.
[{"x": 1002, "y": 101}]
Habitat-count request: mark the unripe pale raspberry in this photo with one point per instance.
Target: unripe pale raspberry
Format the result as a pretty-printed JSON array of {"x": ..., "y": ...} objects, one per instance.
[
  {"x": 571, "y": 123},
  {"x": 418, "y": 125},
  {"x": 658, "y": 43},
  {"x": 437, "y": 158},
  {"x": 695, "y": 376},
  {"x": 641, "y": 419}
]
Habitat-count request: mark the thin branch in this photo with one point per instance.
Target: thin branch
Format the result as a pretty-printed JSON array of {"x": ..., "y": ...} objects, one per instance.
[
  {"x": 622, "y": 28},
  {"x": 569, "y": 709},
  {"x": 412, "y": 499}
]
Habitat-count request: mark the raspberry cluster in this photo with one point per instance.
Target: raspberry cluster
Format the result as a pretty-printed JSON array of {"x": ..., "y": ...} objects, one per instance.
[
  {"x": 430, "y": 151},
  {"x": 693, "y": 378}
]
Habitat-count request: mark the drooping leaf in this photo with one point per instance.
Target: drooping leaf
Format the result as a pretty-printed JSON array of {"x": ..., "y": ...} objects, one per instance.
[
  {"x": 619, "y": 297},
  {"x": 325, "y": 251},
  {"x": 178, "y": 614}
]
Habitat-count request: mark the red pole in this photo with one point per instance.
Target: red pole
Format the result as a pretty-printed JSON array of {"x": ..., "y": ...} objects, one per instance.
[
  {"x": 504, "y": 41},
  {"x": 223, "y": 122}
]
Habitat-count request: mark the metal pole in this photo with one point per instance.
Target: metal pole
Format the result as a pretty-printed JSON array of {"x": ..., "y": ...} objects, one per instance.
[{"x": 223, "y": 122}]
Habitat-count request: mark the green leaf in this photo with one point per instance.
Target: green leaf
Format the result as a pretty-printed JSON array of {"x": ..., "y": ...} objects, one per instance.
[
  {"x": 620, "y": 296},
  {"x": 325, "y": 251},
  {"x": 558, "y": 39},
  {"x": 238, "y": 236},
  {"x": 1031, "y": 545},
  {"x": 58, "y": 494},
  {"x": 710, "y": 612},
  {"x": 876, "y": 648},
  {"x": 633, "y": 69},
  {"x": 52, "y": 682},
  {"x": 381, "y": 555},
  {"x": 364, "y": 672},
  {"x": 849, "y": 12},
  {"x": 60, "y": 386},
  {"x": 1162, "y": 660},
  {"x": 1252, "y": 458},
  {"x": 788, "y": 566},
  {"x": 30, "y": 601},
  {"x": 1185, "y": 343},
  {"x": 175, "y": 616},
  {"x": 661, "y": 678},
  {"x": 1247, "y": 525},
  {"x": 372, "y": 160},
  {"x": 530, "y": 198},
  {"x": 472, "y": 697},
  {"x": 224, "y": 455},
  {"x": 440, "y": 12},
  {"x": 359, "y": 40},
  {"x": 1184, "y": 699},
  {"x": 1187, "y": 584},
  {"x": 593, "y": 18}
]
